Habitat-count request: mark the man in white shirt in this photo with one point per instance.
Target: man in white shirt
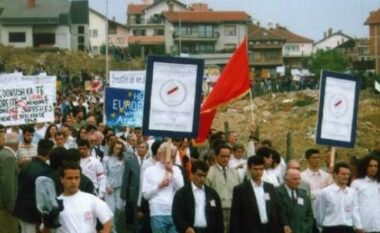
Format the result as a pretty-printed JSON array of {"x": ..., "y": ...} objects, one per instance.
[
  {"x": 197, "y": 207},
  {"x": 314, "y": 175},
  {"x": 337, "y": 208},
  {"x": 237, "y": 162},
  {"x": 26, "y": 149},
  {"x": 255, "y": 205},
  {"x": 367, "y": 187},
  {"x": 81, "y": 210},
  {"x": 92, "y": 168},
  {"x": 160, "y": 182},
  {"x": 269, "y": 173}
]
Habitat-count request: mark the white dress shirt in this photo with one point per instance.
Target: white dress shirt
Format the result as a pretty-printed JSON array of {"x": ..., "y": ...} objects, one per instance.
[
  {"x": 317, "y": 181},
  {"x": 93, "y": 169},
  {"x": 147, "y": 163},
  {"x": 270, "y": 176},
  {"x": 234, "y": 163},
  {"x": 200, "y": 206},
  {"x": 261, "y": 197},
  {"x": 338, "y": 207},
  {"x": 368, "y": 193},
  {"x": 160, "y": 199}
]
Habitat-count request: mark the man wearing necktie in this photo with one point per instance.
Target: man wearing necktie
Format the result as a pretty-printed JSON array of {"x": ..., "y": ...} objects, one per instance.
[
  {"x": 131, "y": 183},
  {"x": 295, "y": 202},
  {"x": 223, "y": 179}
]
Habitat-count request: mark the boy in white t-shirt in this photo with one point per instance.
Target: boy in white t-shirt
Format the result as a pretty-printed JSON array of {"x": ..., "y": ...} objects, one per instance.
[{"x": 80, "y": 209}]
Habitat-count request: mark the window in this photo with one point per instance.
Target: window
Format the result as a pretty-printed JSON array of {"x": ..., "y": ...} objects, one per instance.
[
  {"x": 17, "y": 37},
  {"x": 205, "y": 31},
  {"x": 229, "y": 47},
  {"x": 43, "y": 39},
  {"x": 81, "y": 47},
  {"x": 80, "y": 39},
  {"x": 204, "y": 48},
  {"x": 80, "y": 29},
  {"x": 230, "y": 30},
  {"x": 186, "y": 30},
  {"x": 159, "y": 32},
  {"x": 95, "y": 33},
  {"x": 139, "y": 32}
]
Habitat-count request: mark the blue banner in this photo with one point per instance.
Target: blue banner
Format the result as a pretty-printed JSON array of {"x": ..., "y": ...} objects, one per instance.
[{"x": 123, "y": 107}]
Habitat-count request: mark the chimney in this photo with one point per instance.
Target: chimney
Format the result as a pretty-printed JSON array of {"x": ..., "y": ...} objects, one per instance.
[
  {"x": 31, "y": 3},
  {"x": 330, "y": 32}
]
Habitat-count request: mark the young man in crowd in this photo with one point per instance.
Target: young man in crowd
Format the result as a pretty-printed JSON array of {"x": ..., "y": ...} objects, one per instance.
[
  {"x": 337, "y": 209},
  {"x": 367, "y": 187},
  {"x": 160, "y": 182},
  {"x": 255, "y": 205},
  {"x": 81, "y": 210},
  {"x": 197, "y": 207}
]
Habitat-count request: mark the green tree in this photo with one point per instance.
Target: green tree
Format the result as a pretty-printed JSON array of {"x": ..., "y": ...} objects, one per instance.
[{"x": 328, "y": 60}]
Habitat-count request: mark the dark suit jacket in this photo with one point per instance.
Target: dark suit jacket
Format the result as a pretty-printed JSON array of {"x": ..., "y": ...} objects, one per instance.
[
  {"x": 8, "y": 179},
  {"x": 131, "y": 180},
  {"x": 245, "y": 217},
  {"x": 130, "y": 187},
  {"x": 183, "y": 210},
  {"x": 299, "y": 216},
  {"x": 25, "y": 207}
]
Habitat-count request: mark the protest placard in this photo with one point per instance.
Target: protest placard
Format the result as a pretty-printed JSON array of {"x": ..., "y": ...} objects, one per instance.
[
  {"x": 26, "y": 99},
  {"x": 338, "y": 107},
  {"x": 128, "y": 79},
  {"x": 172, "y": 96},
  {"x": 123, "y": 107}
]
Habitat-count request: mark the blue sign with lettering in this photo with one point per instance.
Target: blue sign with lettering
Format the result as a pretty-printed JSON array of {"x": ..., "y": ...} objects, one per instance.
[{"x": 123, "y": 107}]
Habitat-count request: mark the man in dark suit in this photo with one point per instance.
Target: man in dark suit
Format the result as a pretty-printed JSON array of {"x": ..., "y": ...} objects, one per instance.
[
  {"x": 295, "y": 202},
  {"x": 8, "y": 182},
  {"x": 255, "y": 206},
  {"x": 131, "y": 184},
  {"x": 197, "y": 207},
  {"x": 25, "y": 208}
]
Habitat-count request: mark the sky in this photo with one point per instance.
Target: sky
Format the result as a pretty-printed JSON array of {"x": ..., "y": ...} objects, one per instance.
[{"x": 309, "y": 18}]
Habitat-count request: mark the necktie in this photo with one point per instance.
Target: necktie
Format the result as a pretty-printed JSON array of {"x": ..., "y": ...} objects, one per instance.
[
  {"x": 225, "y": 173},
  {"x": 294, "y": 196}
]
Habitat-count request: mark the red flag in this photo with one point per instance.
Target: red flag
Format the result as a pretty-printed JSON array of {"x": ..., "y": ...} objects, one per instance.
[
  {"x": 234, "y": 81},
  {"x": 205, "y": 122}
]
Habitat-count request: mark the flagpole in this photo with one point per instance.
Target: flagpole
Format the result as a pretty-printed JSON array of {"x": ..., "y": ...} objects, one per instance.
[{"x": 251, "y": 104}]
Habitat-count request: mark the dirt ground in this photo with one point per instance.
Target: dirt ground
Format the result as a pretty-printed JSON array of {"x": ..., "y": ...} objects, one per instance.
[{"x": 276, "y": 115}]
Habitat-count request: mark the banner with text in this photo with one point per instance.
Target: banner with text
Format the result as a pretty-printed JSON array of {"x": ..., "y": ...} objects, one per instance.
[
  {"x": 26, "y": 99},
  {"x": 128, "y": 79},
  {"x": 123, "y": 107}
]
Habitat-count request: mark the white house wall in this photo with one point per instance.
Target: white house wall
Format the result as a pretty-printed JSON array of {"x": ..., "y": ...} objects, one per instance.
[
  {"x": 28, "y": 36},
  {"x": 158, "y": 9},
  {"x": 98, "y": 23},
  {"x": 241, "y": 30},
  {"x": 297, "y": 49},
  {"x": 330, "y": 43}
]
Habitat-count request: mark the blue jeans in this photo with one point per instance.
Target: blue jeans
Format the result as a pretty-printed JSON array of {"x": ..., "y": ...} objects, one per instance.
[{"x": 162, "y": 224}]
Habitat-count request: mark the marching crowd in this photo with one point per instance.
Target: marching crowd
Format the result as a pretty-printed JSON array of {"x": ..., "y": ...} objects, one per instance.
[{"x": 118, "y": 180}]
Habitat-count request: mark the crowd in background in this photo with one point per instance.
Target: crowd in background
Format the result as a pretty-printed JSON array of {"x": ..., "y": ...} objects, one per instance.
[{"x": 152, "y": 184}]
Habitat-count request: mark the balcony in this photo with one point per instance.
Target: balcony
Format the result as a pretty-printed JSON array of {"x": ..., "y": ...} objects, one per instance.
[{"x": 196, "y": 36}]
